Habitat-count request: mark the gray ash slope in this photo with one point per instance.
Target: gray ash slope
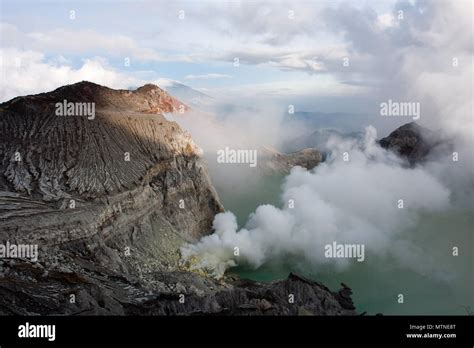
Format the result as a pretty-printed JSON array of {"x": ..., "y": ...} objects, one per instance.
[{"x": 117, "y": 250}]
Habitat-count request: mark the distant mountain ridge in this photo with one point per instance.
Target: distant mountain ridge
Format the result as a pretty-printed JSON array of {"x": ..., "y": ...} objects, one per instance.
[{"x": 188, "y": 94}]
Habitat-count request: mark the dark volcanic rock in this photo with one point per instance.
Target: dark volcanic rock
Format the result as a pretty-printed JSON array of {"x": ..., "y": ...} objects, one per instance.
[
  {"x": 27, "y": 289},
  {"x": 252, "y": 298},
  {"x": 109, "y": 229},
  {"x": 344, "y": 297},
  {"x": 414, "y": 142}
]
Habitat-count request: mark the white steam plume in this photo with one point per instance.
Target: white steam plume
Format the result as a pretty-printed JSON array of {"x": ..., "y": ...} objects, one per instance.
[{"x": 353, "y": 202}]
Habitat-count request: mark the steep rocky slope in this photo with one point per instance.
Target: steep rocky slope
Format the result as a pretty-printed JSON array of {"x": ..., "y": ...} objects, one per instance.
[{"x": 109, "y": 200}]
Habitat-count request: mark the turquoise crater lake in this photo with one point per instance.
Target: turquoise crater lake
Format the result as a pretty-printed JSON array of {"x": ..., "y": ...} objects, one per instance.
[{"x": 377, "y": 282}]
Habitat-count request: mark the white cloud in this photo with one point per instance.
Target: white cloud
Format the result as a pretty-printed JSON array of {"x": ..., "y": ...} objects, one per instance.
[
  {"x": 27, "y": 72},
  {"x": 413, "y": 59},
  {"x": 386, "y": 55},
  {"x": 207, "y": 76},
  {"x": 297, "y": 62},
  {"x": 86, "y": 41},
  {"x": 314, "y": 86},
  {"x": 386, "y": 20}
]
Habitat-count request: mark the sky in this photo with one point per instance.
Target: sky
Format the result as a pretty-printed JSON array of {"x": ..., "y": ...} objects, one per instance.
[{"x": 351, "y": 53}]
